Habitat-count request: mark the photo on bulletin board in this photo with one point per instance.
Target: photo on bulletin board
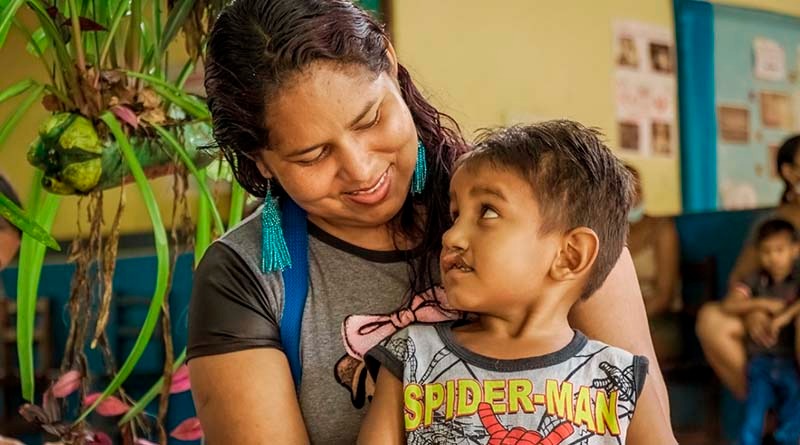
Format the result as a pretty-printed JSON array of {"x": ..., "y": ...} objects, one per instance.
[
  {"x": 734, "y": 123},
  {"x": 661, "y": 138},
  {"x": 776, "y": 110},
  {"x": 769, "y": 60},
  {"x": 661, "y": 57},
  {"x": 627, "y": 53},
  {"x": 629, "y": 136}
]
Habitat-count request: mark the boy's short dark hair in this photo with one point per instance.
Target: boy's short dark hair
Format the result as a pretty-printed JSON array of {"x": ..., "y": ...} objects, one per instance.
[
  {"x": 575, "y": 178},
  {"x": 775, "y": 226},
  {"x": 8, "y": 191}
]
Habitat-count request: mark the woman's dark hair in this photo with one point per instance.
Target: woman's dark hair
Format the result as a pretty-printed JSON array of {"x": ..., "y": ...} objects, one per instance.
[
  {"x": 786, "y": 155},
  {"x": 257, "y": 45},
  {"x": 8, "y": 192}
]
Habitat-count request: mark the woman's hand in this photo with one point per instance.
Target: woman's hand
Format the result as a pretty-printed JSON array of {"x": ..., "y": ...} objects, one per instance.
[{"x": 758, "y": 325}]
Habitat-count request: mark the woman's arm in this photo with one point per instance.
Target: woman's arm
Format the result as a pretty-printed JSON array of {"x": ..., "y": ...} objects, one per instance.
[
  {"x": 746, "y": 264},
  {"x": 383, "y": 423},
  {"x": 667, "y": 260},
  {"x": 641, "y": 431},
  {"x": 615, "y": 315},
  {"x": 247, "y": 398},
  {"x": 739, "y": 301}
]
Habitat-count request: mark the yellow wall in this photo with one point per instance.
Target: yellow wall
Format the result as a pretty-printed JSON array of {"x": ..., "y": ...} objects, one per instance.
[
  {"x": 486, "y": 63},
  {"x": 489, "y": 64}
]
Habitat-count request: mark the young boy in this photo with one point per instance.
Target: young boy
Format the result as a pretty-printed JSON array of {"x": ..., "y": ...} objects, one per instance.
[
  {"x": 539, "y": 219},
  {"x": 773, "y": 380}
]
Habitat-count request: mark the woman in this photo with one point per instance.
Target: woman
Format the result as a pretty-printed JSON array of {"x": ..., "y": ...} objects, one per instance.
[
  {"x": 310, "y": 104},
  {"x": 722, "y": 335},
  {"x": 653, "y": 242}
]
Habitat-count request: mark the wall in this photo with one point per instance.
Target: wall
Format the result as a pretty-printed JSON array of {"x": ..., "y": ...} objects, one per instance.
[
  {"x": 485, "y": 65},
  {"x": 528, "y": 60}
]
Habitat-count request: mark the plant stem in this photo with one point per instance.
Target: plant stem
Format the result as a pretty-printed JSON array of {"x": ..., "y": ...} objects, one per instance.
[{"x": 75, "y": 17}]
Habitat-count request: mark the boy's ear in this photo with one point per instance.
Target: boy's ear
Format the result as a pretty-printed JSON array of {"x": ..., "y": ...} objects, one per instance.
[{"x": 578, "y": 252}]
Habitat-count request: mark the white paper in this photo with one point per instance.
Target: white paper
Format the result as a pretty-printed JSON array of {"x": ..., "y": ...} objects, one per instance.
[
  {"x": 769, "y": 60},
  {"x": 645, "y": 90}
]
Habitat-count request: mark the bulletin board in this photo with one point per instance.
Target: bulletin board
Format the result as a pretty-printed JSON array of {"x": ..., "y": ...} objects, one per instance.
[{"x": 739, "y": 83}]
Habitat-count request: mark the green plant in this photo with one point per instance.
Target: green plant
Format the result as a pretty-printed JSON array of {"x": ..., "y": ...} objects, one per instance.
[{"x": 117, "y": 115}]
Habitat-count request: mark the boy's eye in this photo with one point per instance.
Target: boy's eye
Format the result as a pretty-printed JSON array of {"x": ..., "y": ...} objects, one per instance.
[{"x": 488, "y": 213}]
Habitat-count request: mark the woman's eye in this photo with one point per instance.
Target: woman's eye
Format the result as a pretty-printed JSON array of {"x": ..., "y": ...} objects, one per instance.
[
  {"x": 374, "y": 121},
  {"x": 322, "y": 153},
  {"x": 488, "y": 213}
]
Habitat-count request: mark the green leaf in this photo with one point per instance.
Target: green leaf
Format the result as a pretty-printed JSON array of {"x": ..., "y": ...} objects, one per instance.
[
  {"x": 38, "y": 43},
  {"x": 238, "y": 195},
  {"x": 151, "y": 394},
  {"x": 174, "y": 94},
  {"x": 31, "y": 258},
  {"x": 181, "y": 152},
  {"x": 162, "y": 256},
  {"x": 177, "y": 15},
  {"x": 16, "y": 89},
  {"x": 122, "y": 8},
  {"x": 13, "y": 120},
  {"x": 17, "y": 217},
  {"x": 6, "y": 17},
  {"x": 64, "y": 61}
]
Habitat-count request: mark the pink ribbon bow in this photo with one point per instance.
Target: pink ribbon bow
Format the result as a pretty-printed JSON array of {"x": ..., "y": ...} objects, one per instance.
[{"x": 362, "y": 332}]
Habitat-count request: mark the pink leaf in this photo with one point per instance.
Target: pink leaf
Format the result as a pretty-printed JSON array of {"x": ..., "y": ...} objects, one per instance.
[
  {"x": 189, "y": 429},
  {"x": 126, "y": 115},
  {"x": 180, "y": 380},
  {"x": 99, "y": 438},
  {"x": 66, "y": 384},
  {"x": 109, "y": 407}
]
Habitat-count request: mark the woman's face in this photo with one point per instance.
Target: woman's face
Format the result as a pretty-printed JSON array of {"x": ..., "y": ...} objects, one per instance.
[{"x": 343, "y": 145}]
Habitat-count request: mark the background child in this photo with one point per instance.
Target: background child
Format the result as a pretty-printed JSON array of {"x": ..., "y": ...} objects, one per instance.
[
  {"x": 773, "y": 380},
  {"x": 539, "y": 219}
]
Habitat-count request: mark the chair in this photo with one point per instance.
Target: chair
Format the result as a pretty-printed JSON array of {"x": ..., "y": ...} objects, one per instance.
[
  {"x": 689, "y": 368},
  {"x": 11, "y": 423}
]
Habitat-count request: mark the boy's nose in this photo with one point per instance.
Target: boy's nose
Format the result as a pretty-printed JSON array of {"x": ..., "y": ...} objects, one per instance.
[{"x": 454, "y": 239}]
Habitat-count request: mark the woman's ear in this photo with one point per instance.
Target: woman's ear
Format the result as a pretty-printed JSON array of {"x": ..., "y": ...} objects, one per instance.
[
  {"x": 258, "y": 159},
  {"x": 392, "y": 56},
  {"x": 579, "y": 249}
]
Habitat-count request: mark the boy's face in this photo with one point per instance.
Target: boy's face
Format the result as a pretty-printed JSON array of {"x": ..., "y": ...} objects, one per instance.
[
  {"x": 778, "y": 254},
  {"x": 494, "y": 255}
]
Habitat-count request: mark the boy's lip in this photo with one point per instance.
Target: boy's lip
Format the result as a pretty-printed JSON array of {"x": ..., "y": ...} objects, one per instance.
[{"x": 454, "y": 261}]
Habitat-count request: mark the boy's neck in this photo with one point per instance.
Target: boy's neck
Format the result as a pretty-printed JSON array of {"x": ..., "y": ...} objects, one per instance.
[
  {"x": 539, "y": 329},
  {"x": 779, "y": 277}
]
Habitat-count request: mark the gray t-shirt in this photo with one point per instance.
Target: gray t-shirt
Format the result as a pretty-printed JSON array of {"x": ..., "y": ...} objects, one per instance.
[
  {"x": 235, "y": 307},
  {"x": 584, "y": 393}
]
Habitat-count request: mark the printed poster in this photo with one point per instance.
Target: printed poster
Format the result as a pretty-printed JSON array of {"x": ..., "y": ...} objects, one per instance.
[{"x": 645, "y": 89}]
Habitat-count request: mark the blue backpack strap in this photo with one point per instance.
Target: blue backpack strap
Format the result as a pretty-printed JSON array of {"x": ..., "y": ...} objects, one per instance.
[{"x": 295, "y": 284}]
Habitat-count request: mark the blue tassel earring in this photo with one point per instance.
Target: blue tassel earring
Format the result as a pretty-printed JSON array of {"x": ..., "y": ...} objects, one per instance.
[
  {"x": 274, "y": 253},
  {"x": 420, "y": 171}
]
